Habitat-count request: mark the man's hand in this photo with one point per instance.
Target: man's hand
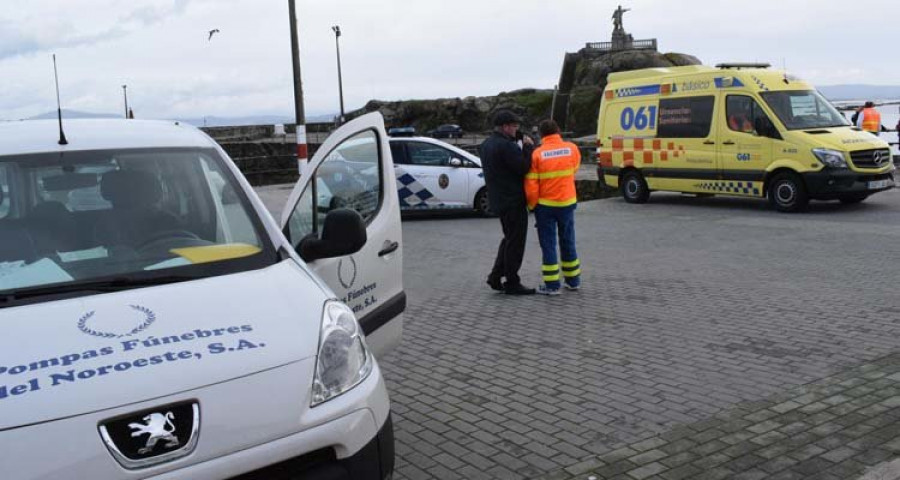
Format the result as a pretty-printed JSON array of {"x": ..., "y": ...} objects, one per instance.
[{"x": 527, "y": 140}]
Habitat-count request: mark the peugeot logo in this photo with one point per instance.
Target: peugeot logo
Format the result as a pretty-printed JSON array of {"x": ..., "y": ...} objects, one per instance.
[
  {"x": 152, "y": 437},
  {"x": 878, "y": 157}
]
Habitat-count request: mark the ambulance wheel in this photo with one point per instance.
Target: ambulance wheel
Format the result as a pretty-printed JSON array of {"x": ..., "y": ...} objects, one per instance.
[
  {"x": 634, "y": 188},
  {"x": 787, "y": 193},
  {"x": 482, "y": 204},
  {"x": 851, "y": 199}
]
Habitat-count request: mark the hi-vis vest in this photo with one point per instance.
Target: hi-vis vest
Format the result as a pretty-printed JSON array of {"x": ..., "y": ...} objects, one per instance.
[
  {"x": 551, "y": 180},
  {"x": 871, "y": 120}
]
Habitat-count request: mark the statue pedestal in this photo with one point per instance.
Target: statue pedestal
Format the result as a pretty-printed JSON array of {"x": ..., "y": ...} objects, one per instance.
[{"x": 621, "y": 40}]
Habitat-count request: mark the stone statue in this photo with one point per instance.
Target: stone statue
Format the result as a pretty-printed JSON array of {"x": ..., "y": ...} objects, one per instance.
[{"x": 617, "y": 19}]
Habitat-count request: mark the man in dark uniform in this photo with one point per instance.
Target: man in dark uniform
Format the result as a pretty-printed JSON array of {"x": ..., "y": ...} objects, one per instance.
[{"x": 506, "y": 159}]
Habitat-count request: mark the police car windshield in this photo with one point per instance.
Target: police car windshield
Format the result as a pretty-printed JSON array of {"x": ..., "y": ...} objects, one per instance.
[
  {"x": 124, "y": 215},
  {"x": 804, "y": 109}
]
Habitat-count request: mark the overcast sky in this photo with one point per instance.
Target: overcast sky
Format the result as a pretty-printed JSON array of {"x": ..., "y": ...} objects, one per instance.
[{"x": 395, "y": 49}]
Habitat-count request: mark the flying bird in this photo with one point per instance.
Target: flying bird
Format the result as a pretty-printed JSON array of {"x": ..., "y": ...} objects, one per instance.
[{"x": 211, "y": 33}]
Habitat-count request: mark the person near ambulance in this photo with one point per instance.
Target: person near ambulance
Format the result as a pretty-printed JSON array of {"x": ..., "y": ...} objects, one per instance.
[
  {"x": 505, "y": 162},
  {"x": 550, "y": 192},
  {"x": 870, "y": 119}
]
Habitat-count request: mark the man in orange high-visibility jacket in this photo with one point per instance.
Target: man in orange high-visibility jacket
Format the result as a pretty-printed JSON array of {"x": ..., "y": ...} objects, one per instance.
[
  {"x": 550, "y": 192},
  {"x": 870, "y": 119}
]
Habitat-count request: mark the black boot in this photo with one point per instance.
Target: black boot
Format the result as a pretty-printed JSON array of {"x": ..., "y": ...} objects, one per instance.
[{"x": 517, "y": 289}]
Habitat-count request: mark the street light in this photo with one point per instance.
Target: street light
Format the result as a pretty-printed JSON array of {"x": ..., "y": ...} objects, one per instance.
[
  {"x": 337, "y": 45},
  {"x": 125, "y": 92}
]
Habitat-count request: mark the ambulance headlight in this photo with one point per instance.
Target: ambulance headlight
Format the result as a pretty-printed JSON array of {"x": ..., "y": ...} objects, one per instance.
[
  {"x": 830, "y": 158},
  {"x": 343, "y": 361}
]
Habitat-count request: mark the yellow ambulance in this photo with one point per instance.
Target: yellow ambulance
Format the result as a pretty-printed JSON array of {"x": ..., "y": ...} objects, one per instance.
[{"x": 734, "y": 129}]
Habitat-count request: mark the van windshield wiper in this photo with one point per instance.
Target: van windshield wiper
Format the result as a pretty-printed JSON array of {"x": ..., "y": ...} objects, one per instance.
[{"x": 114, "y": 284}]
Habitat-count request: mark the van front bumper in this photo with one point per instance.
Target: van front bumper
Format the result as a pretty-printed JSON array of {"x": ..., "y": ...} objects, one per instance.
[
  {"x": 375, "y": 461},
  {"x": 831, "y": 184}
]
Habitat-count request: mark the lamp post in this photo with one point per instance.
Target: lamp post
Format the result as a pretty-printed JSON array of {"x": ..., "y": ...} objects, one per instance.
[
  {"x": 337, "y": 46},
  {"x": 125, "y": 92},
  {"x": 302, "y": 148}
]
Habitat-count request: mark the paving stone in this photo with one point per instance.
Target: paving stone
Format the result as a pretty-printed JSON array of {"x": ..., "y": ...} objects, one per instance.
[{"x": 646, "y": 349}]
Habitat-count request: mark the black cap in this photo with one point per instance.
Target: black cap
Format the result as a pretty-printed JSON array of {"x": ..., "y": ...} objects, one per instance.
[{"x": 505, "y": 117}]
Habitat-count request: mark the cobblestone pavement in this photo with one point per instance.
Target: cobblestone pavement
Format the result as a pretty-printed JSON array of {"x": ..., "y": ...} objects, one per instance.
[{"x": 713, "y": 338}]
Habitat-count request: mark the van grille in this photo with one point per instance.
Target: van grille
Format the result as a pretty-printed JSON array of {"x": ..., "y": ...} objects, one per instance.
[{"x": 871, "y": 158}]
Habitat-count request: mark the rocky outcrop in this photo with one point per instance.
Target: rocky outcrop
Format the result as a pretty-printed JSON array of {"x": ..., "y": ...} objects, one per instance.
[
  {"x": 587, "y": 76},
  {"x": 581, "y": 98},
  {"x": 473, "y": 114}
]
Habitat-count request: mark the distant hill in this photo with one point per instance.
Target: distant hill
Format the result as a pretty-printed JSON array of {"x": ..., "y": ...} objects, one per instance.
[
  {"x": 73, "y": 114},
  {"x": 210, "y": 121},
  {"x": 860, "y": 92}
]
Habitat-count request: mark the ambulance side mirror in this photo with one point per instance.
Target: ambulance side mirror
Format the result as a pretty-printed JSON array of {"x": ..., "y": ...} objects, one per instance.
[
  {"x": 764, "y": 127},
  {"x": 343, "y": 233}
]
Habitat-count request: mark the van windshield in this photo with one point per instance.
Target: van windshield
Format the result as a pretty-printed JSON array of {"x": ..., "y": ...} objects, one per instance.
[
  {"x": 113, "y": 219},
  {"x": 804, "y": 109}
]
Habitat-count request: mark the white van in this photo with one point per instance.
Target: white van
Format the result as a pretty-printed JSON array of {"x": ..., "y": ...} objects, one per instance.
[{"x": 158, "y": 323}]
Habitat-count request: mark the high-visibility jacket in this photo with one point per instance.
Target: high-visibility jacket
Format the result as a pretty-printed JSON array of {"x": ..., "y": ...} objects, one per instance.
[
  {"x": 551, "y": 180},
  {"x": 871, "y": 120}
]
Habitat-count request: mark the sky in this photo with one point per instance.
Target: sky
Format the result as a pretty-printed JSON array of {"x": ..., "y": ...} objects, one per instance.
[{"x": 394, "y": 49}]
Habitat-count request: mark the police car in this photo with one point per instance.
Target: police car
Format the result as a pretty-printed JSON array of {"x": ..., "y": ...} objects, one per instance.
[
  {"x": 433, "y": 175},
  {"x": 158, "y": 323}
]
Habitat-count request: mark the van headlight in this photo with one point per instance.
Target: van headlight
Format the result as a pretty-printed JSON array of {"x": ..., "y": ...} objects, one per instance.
[
  {"x": 830, "y": 158},
  {"x": 343, "y": 360}
]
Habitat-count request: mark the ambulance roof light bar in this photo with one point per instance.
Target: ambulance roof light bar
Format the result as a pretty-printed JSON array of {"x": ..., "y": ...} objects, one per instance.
[{"x": 739, "y": 66}]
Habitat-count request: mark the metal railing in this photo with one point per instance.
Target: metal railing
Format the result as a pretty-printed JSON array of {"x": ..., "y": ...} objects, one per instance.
[{"x": 615, "y": 46}]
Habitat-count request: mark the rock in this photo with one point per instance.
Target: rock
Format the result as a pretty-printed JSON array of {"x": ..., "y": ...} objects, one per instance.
[{"x": 585, "y": 89}]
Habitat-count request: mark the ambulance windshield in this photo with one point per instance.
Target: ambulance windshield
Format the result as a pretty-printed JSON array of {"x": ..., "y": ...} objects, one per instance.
[{"x": 804, "y": 109}]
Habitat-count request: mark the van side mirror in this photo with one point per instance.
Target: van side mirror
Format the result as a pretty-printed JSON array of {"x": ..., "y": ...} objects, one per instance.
[{"x": 343, "y": 233}]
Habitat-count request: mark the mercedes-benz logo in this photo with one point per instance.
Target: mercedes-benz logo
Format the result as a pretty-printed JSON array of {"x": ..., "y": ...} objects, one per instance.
[{"x": 878, "y": 157}]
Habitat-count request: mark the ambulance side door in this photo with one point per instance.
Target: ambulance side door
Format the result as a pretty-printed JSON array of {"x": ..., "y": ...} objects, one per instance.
[
  {"x": 353, "y": 169},
  {"x": 688, "y": 138}
]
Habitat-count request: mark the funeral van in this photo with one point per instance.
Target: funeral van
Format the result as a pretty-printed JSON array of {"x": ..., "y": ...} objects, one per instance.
[
  {"x": 734, "y": 129},
  {"x": 158, "y": 323}
]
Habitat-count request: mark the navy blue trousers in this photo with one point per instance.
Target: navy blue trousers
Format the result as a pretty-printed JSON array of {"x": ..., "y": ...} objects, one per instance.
[{"x": 553, "y": 222}]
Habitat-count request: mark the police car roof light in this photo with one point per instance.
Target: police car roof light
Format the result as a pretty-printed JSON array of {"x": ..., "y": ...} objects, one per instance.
[{"x": 739, "y": 66}]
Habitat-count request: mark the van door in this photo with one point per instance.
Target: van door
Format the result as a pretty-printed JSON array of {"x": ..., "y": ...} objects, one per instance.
[
  {"x": 744, "y": 153},
  {"x": 354, "y": 169}
]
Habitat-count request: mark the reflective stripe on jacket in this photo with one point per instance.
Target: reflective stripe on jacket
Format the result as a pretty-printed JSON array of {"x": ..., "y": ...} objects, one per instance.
[
  {"x": 871, "y": 120},
  {"x": 551, "y": 180}
]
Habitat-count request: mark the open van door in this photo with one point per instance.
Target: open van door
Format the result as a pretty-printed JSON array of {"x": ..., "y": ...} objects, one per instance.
[{"x": 354, "y": 170}]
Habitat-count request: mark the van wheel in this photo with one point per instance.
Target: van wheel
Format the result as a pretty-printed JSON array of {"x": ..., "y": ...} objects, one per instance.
[
  {"x": 634, "y": 188},
  {"x": 482, "y": 204},
  {"x": 787, "y": 193},
  {"x": 851, "y": 199}
]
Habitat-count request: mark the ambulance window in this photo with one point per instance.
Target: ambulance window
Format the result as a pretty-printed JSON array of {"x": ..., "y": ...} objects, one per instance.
[
  {"x": 427, "y": 154},
  {"x": 743, "y": 112},
  {"x": 689, "y": 117},
  {"x": 4, "y": 191}
]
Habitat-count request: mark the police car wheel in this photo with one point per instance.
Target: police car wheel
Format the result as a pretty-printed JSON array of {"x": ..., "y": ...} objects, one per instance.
[
  {"x": 634, "y": 188},
  {"x": 482, "y": 204},
  {"x": 787, "y": 193}
]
